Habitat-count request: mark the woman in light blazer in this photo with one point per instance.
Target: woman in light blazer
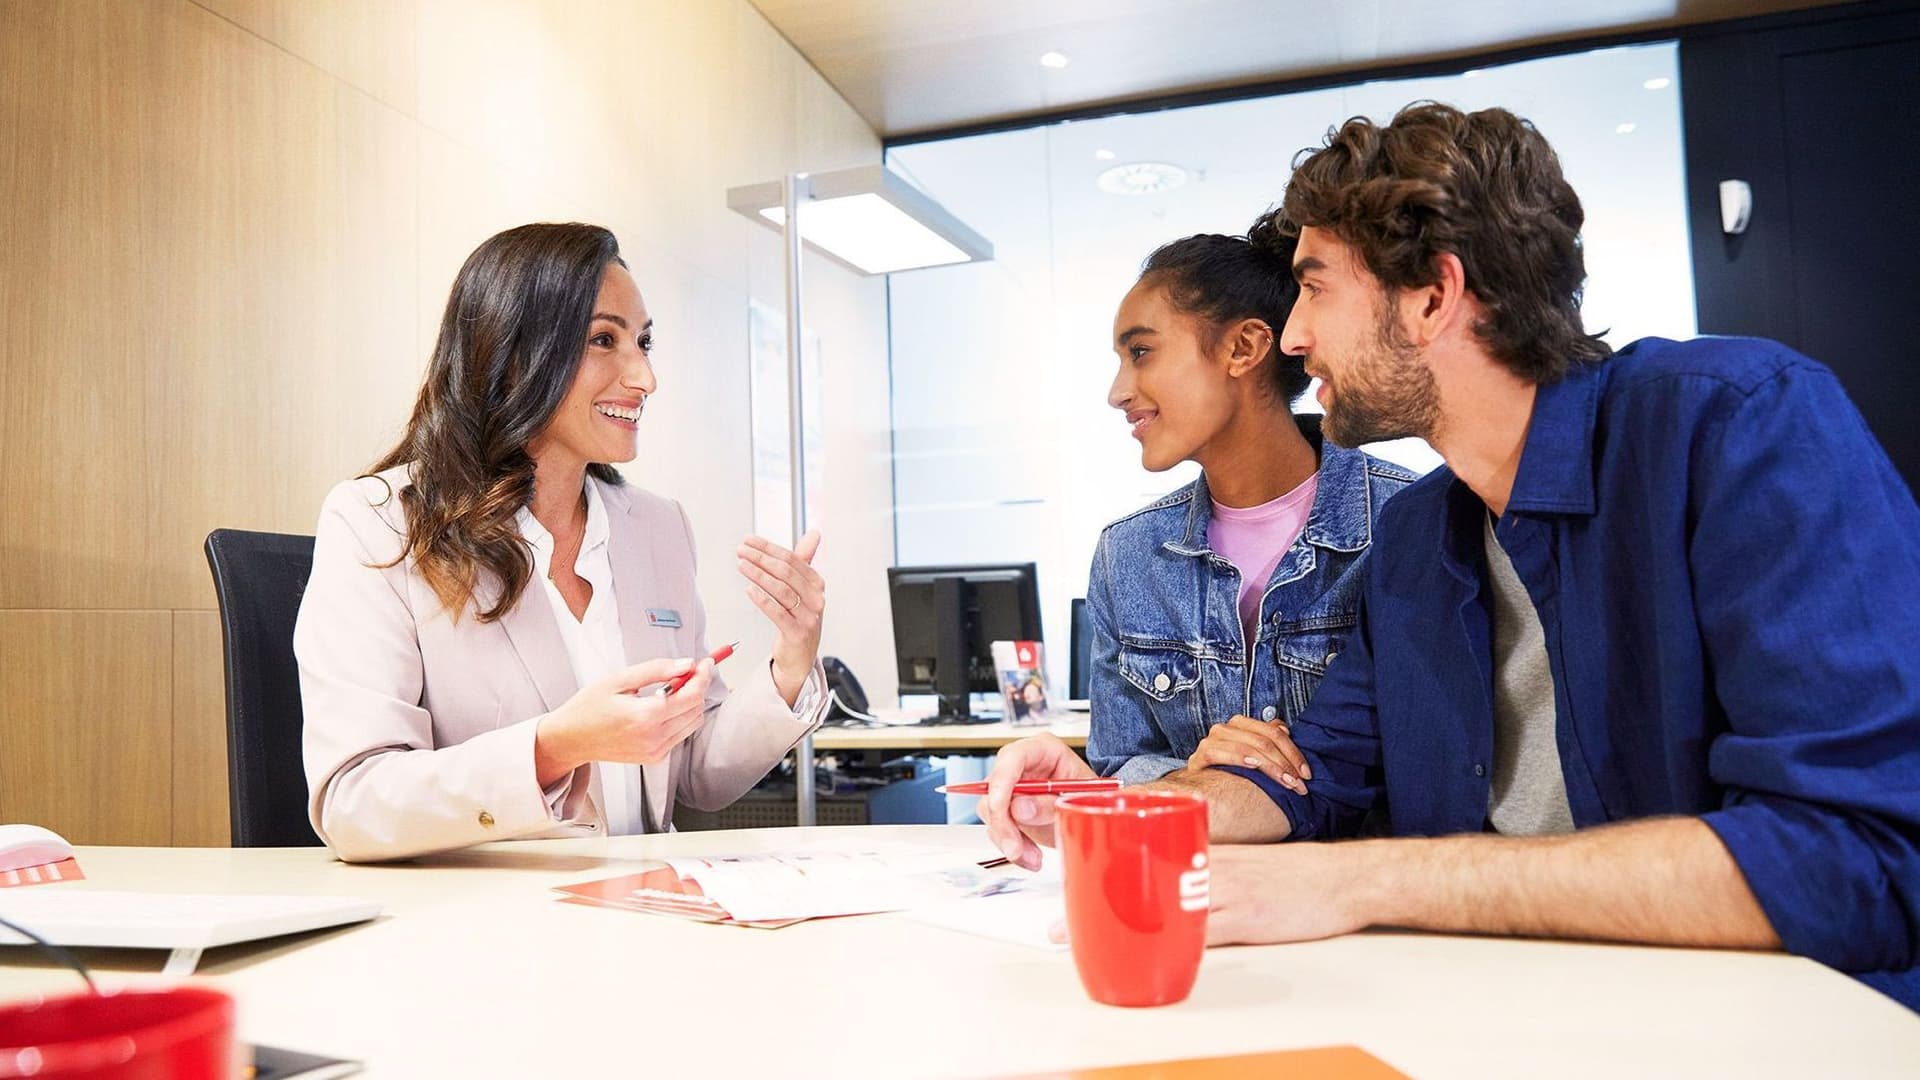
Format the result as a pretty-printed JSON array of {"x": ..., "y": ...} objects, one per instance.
[{"x": 493, "y": 611}]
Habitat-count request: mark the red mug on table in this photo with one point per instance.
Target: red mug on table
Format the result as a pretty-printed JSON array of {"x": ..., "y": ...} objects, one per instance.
[
  {"x": 135, "y": 1033},
  {"x": 1136, "y": 889}
]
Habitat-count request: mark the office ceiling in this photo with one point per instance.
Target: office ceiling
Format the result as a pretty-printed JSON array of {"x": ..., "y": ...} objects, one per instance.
[{"x": 919, "y": 65}]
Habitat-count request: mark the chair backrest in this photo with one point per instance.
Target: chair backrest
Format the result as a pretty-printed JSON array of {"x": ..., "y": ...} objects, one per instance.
[
  {"x": 259, "y": 578},
  {"x": 1080, "y": 644}
]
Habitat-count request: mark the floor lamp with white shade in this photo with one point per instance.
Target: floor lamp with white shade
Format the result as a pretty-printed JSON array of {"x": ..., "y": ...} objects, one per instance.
[{"x": 872, "y": 222}]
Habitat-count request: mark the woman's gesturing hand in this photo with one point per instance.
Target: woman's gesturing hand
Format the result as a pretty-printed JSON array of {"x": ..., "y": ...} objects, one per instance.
[{"x": 784, "y": 585}]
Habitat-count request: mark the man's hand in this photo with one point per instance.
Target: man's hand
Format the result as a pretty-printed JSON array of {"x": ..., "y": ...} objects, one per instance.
[
  {"x": 1286, "y": 892},
  {"x": 1018, "y": 825},
  {"x": 1661, "y": 881}
]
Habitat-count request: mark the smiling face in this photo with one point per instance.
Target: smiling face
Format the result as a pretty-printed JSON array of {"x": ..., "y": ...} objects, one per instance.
[
  {"x": 1176, "y": 396},
  {"x": 1374, "y": 384},
  {"x": 598, "y": 419}
]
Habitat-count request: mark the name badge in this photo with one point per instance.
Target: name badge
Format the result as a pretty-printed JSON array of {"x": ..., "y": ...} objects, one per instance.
[{"x": 663, "y": 616}]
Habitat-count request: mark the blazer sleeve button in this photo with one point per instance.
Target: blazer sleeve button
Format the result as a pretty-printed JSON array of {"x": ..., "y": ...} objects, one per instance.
[{"x": 486, "y": 820}]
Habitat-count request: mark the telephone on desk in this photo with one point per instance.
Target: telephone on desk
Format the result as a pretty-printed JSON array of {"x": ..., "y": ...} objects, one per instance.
[{"x": 848, "y": 703}]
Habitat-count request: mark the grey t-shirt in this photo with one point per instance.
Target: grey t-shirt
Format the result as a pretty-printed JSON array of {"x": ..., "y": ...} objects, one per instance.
[{"x": 1529, "y": 796}]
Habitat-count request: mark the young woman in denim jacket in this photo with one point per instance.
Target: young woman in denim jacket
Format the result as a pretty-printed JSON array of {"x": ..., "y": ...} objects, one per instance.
[{"x": 1185, "y": 650}]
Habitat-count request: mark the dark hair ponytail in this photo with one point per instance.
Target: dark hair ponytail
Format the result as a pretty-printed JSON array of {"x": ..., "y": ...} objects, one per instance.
[{"x": 1223, "y": 279}]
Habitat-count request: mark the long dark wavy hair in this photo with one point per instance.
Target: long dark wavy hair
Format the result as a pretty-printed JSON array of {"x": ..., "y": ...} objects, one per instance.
[{"x": 510, "y": 342}]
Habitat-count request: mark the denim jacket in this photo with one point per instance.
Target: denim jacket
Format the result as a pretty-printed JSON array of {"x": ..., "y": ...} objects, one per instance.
[{"x": 1169, "y": 654}]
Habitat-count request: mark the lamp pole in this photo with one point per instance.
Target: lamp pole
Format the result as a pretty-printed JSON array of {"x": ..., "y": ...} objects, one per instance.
[{"x": 792, "y": 189}]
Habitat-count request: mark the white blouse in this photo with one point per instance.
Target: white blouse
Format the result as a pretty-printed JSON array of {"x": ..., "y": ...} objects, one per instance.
[{"x": 595, "y": 649}]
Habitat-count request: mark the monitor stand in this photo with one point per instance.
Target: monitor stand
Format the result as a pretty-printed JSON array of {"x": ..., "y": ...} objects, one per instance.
[{"x": 952, "y": 682}]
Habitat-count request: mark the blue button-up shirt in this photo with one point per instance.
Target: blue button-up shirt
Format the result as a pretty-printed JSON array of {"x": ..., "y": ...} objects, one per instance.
[
  {"x": 1727, "y": 570},
  {"x": 1169, "y": 656}
]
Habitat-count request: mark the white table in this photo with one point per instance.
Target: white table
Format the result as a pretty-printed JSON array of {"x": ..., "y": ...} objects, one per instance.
[{"x": 477, "y": 970}]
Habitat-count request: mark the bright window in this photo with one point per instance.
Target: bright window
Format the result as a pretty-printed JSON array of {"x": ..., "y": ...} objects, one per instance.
[{"x": 1005, "y": 448}]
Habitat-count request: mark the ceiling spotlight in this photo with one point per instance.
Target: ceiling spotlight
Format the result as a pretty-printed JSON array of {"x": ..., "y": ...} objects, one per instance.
[
  {"x": 1103, "y": 154},
  {"x": 1141, "y": 178},
  {"x": 1054, "y": 60},
  {"x": 1657, "y": 84},
  {"x": 1624, "y": 129}
]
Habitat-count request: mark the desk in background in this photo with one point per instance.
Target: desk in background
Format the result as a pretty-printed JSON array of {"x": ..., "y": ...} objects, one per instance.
[
  {"x": 478, "y": 970},
  {"x": 941, "y": 738},
  {"x": 871, "y": 746}
]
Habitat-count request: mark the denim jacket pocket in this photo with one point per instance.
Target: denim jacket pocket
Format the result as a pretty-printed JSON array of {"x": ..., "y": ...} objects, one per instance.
[
  {"x": 1304, "y": 650},
  {"x": 1169, "y": 677}
]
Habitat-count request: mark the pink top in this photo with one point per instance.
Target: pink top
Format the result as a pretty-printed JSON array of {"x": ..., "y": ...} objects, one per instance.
[{"x": 1254, "y": 539}]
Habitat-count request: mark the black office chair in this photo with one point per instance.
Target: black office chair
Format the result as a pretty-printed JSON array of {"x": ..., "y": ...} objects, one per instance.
[{"x": 259, "y": 578}]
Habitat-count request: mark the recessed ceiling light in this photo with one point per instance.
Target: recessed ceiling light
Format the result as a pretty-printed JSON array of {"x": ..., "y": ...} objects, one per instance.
[
  {"x": 1103, "y": 154},
  {"x": 1624, "y": 129},
  {"x": 1054, "y": 60},
  {"x": 1141, "y": 178},
  {"x": 1657, "y": 84}
]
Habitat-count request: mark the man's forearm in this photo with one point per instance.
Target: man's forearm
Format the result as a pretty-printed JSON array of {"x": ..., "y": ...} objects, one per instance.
[
  {"x": 1668, "y": 881},
  {"x": 1238, "y": 812}
]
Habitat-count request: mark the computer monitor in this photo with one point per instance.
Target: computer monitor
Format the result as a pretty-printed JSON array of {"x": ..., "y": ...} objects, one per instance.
[{"x": 944, "y": 621}]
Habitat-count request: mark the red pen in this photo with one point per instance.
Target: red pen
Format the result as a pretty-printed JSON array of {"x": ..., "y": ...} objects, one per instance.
[
  {"x": 674, "y": 684},
  {"x": 1037, "y": 787}
]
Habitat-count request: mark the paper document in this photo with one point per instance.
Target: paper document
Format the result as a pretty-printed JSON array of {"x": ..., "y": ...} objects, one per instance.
[
  {"x": 1018, "y": 907},
  {"x": 779, "y": 889}
]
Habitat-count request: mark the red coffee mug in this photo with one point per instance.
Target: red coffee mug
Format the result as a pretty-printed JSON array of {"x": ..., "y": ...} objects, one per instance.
[
  {"x": 165, "y": 1033},
  {"x": 1136, "y": 885}
]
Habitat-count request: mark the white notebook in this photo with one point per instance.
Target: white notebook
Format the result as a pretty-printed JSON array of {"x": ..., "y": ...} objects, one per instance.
[{"x": 183, "y": 922}]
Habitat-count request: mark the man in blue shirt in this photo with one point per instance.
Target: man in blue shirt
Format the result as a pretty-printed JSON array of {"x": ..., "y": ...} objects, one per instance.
[{"x": 1674, "y": 592}]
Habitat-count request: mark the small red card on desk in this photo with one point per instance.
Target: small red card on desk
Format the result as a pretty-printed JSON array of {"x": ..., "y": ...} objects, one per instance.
[
  {"x": 1315, "y": 1063},
  {"x": 659, "y": 892},
  {"x": 67, "y": 870}
]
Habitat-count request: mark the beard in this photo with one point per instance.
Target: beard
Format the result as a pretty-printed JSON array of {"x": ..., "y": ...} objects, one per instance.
[{"x": 1387, "y": 391}]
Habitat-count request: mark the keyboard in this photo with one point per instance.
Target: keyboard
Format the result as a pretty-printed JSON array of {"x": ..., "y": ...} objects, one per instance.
[{"x": 136, "y": 920}]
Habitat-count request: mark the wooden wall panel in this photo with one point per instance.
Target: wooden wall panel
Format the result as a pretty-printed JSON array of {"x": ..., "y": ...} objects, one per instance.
[
  {"x": 367, "y": 44},
  {"x": 72, "y": 391},
  {"x": 223, "y": 252},
  {"x": 86, "y": 746},
  {"x": 466, "y": 198},
  {"x": 199, "y": 732}
]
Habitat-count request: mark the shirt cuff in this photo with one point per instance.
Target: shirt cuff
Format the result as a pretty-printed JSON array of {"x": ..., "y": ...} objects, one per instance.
[
  {"x": 559, "y": 793},
  {"x": 811, "y": 693},
  {"x": 1146, "y": 768},
  {"x": 1299, "y": 817}
]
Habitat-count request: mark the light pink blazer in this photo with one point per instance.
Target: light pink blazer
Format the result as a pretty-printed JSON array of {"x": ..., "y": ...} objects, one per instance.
[{"x": 419, "y": 729}]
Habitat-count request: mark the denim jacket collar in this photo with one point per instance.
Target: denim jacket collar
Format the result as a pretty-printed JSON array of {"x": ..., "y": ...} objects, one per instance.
[{"x": 1341, "y": 518}]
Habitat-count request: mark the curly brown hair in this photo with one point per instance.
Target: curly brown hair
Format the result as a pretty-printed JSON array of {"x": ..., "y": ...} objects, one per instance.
[
  {"x": 1484, "y": 186},
  {"x": 510, "y": 342}
]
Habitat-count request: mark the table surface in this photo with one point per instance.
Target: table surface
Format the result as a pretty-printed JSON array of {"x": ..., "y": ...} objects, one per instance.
[
  {"x": 942, "y": 736},
  {"x": 477, "y": 969}
]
